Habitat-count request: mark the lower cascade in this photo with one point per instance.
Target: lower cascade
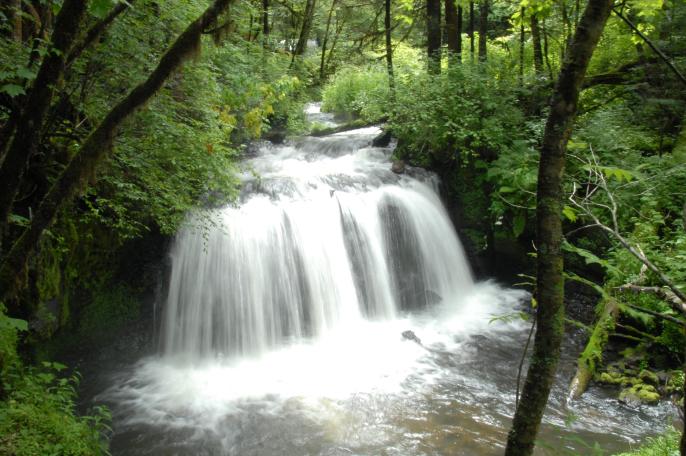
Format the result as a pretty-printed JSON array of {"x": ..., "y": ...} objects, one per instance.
[{"x": 319, "y": 240}]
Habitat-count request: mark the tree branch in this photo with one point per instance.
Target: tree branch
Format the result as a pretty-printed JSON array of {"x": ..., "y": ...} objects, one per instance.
[{"x": 650, "y": 43}]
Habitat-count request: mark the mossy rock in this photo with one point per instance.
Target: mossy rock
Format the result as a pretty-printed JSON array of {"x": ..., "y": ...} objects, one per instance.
[
  {"x": 649, "y": 377},
  {"x": 627, "y": 380},
  {"x": 610, "y": 378},
  {"x": 640, "y": 394}
]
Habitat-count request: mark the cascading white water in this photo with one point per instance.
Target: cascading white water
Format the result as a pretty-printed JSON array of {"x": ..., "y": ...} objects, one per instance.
[
  {"x": 291, "y": 310},
  {"x": 325, "y": 235}
]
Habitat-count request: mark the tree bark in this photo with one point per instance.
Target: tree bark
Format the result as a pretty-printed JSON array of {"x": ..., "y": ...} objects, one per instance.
[
  {"x": 536, "y": 41},
  {"x": 433, "y": 34},
  {"x": 389, "y": 48},
  {"x": 308, "y": 15},
  {"x": 95, "y": 149},
  {"x": 483, "y": 29},
  {"x": 25, "y": 140},
  {"x": 549, "y": 278}
]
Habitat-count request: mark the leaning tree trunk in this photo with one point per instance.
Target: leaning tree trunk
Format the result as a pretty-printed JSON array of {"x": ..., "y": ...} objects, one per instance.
[
  {"x": 483, "y": 29},
  {"x": 549, "y": 278},
  {"x": 26, "y": 135},
  {"x": 95, "y": 150},
  {"x": 433, "y": 34},
  {"x": 308, "y": 15}
]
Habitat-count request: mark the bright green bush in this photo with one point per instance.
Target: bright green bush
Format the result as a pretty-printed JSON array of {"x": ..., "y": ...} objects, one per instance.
[
  {"x": 360, "y": 92},
  {"x": 461, "y": 112}
]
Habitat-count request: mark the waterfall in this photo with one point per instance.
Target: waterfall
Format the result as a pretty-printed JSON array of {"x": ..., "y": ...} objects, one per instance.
[{"x": 325, "y": 236}]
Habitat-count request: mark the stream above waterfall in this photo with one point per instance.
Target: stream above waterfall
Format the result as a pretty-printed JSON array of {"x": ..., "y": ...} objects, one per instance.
[{"x": 281, "y": 330}]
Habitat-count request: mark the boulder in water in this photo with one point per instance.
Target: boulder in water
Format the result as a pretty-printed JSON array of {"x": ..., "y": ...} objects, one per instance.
[
  {"x": 410, "y": 335},
  {"x": 398, "y": 167},
  {"x": 382, "y": 140}
]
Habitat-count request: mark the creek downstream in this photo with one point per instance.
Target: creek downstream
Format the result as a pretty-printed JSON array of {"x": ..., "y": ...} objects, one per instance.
[{"x": 280, "y": 328}]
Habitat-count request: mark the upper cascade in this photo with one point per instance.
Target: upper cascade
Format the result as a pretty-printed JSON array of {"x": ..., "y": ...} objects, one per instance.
[{"x": 325, "y": 235}]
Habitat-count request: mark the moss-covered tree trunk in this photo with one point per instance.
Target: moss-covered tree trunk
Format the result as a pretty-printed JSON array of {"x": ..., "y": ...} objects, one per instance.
[
  {"x": 27, "y": 128},
  {"x": 95, "y": 149},
  {"x": 433, "y": 34},
  {"x": 589, "y": 359},
  {"x": 549, "y": 276}
]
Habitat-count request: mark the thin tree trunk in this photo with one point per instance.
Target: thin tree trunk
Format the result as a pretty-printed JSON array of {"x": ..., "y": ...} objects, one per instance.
[
  {"x": 308, "y": 15},
  {"x": 389, "y": 49},
  {"x": 16, "y": 20},
  {"x": 546, "y": 54},
  {"x": 536, "y": 41},
  {"x": 265, "y": 18},
  {"x": 326, "y": 39},
  {"x": 459, "y": 34},
  {"x": 95, "y": 150},
  {"x": 483, "y": 29},
  {"x": 433, "y": 33},
  {"x": 471, "y": 30},
  {"x": 549, "y": 278},
  {"x": 451, "y": 29},
  {"x": 522, "y": 37},
  {"x": 25, "y": 139}
]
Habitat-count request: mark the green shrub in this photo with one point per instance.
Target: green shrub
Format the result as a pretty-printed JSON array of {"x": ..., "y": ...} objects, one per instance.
[
  {"x": 37, "y": 406},
  {"x": 360, "y": 92},
  {"x": 666, "y": 444}
]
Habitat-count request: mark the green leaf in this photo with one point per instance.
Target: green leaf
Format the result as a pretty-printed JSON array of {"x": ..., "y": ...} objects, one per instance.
[
  {"x": 25, "y": 73},
  {"x": 569, "y": 213},
  {"x": 518, "y": 225},
  {"x": 12, "y": 90},
  {"x": 16, "y": 219},
  {"x": 100, "y": 8},
  {"x": 13, "y": 323}
]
